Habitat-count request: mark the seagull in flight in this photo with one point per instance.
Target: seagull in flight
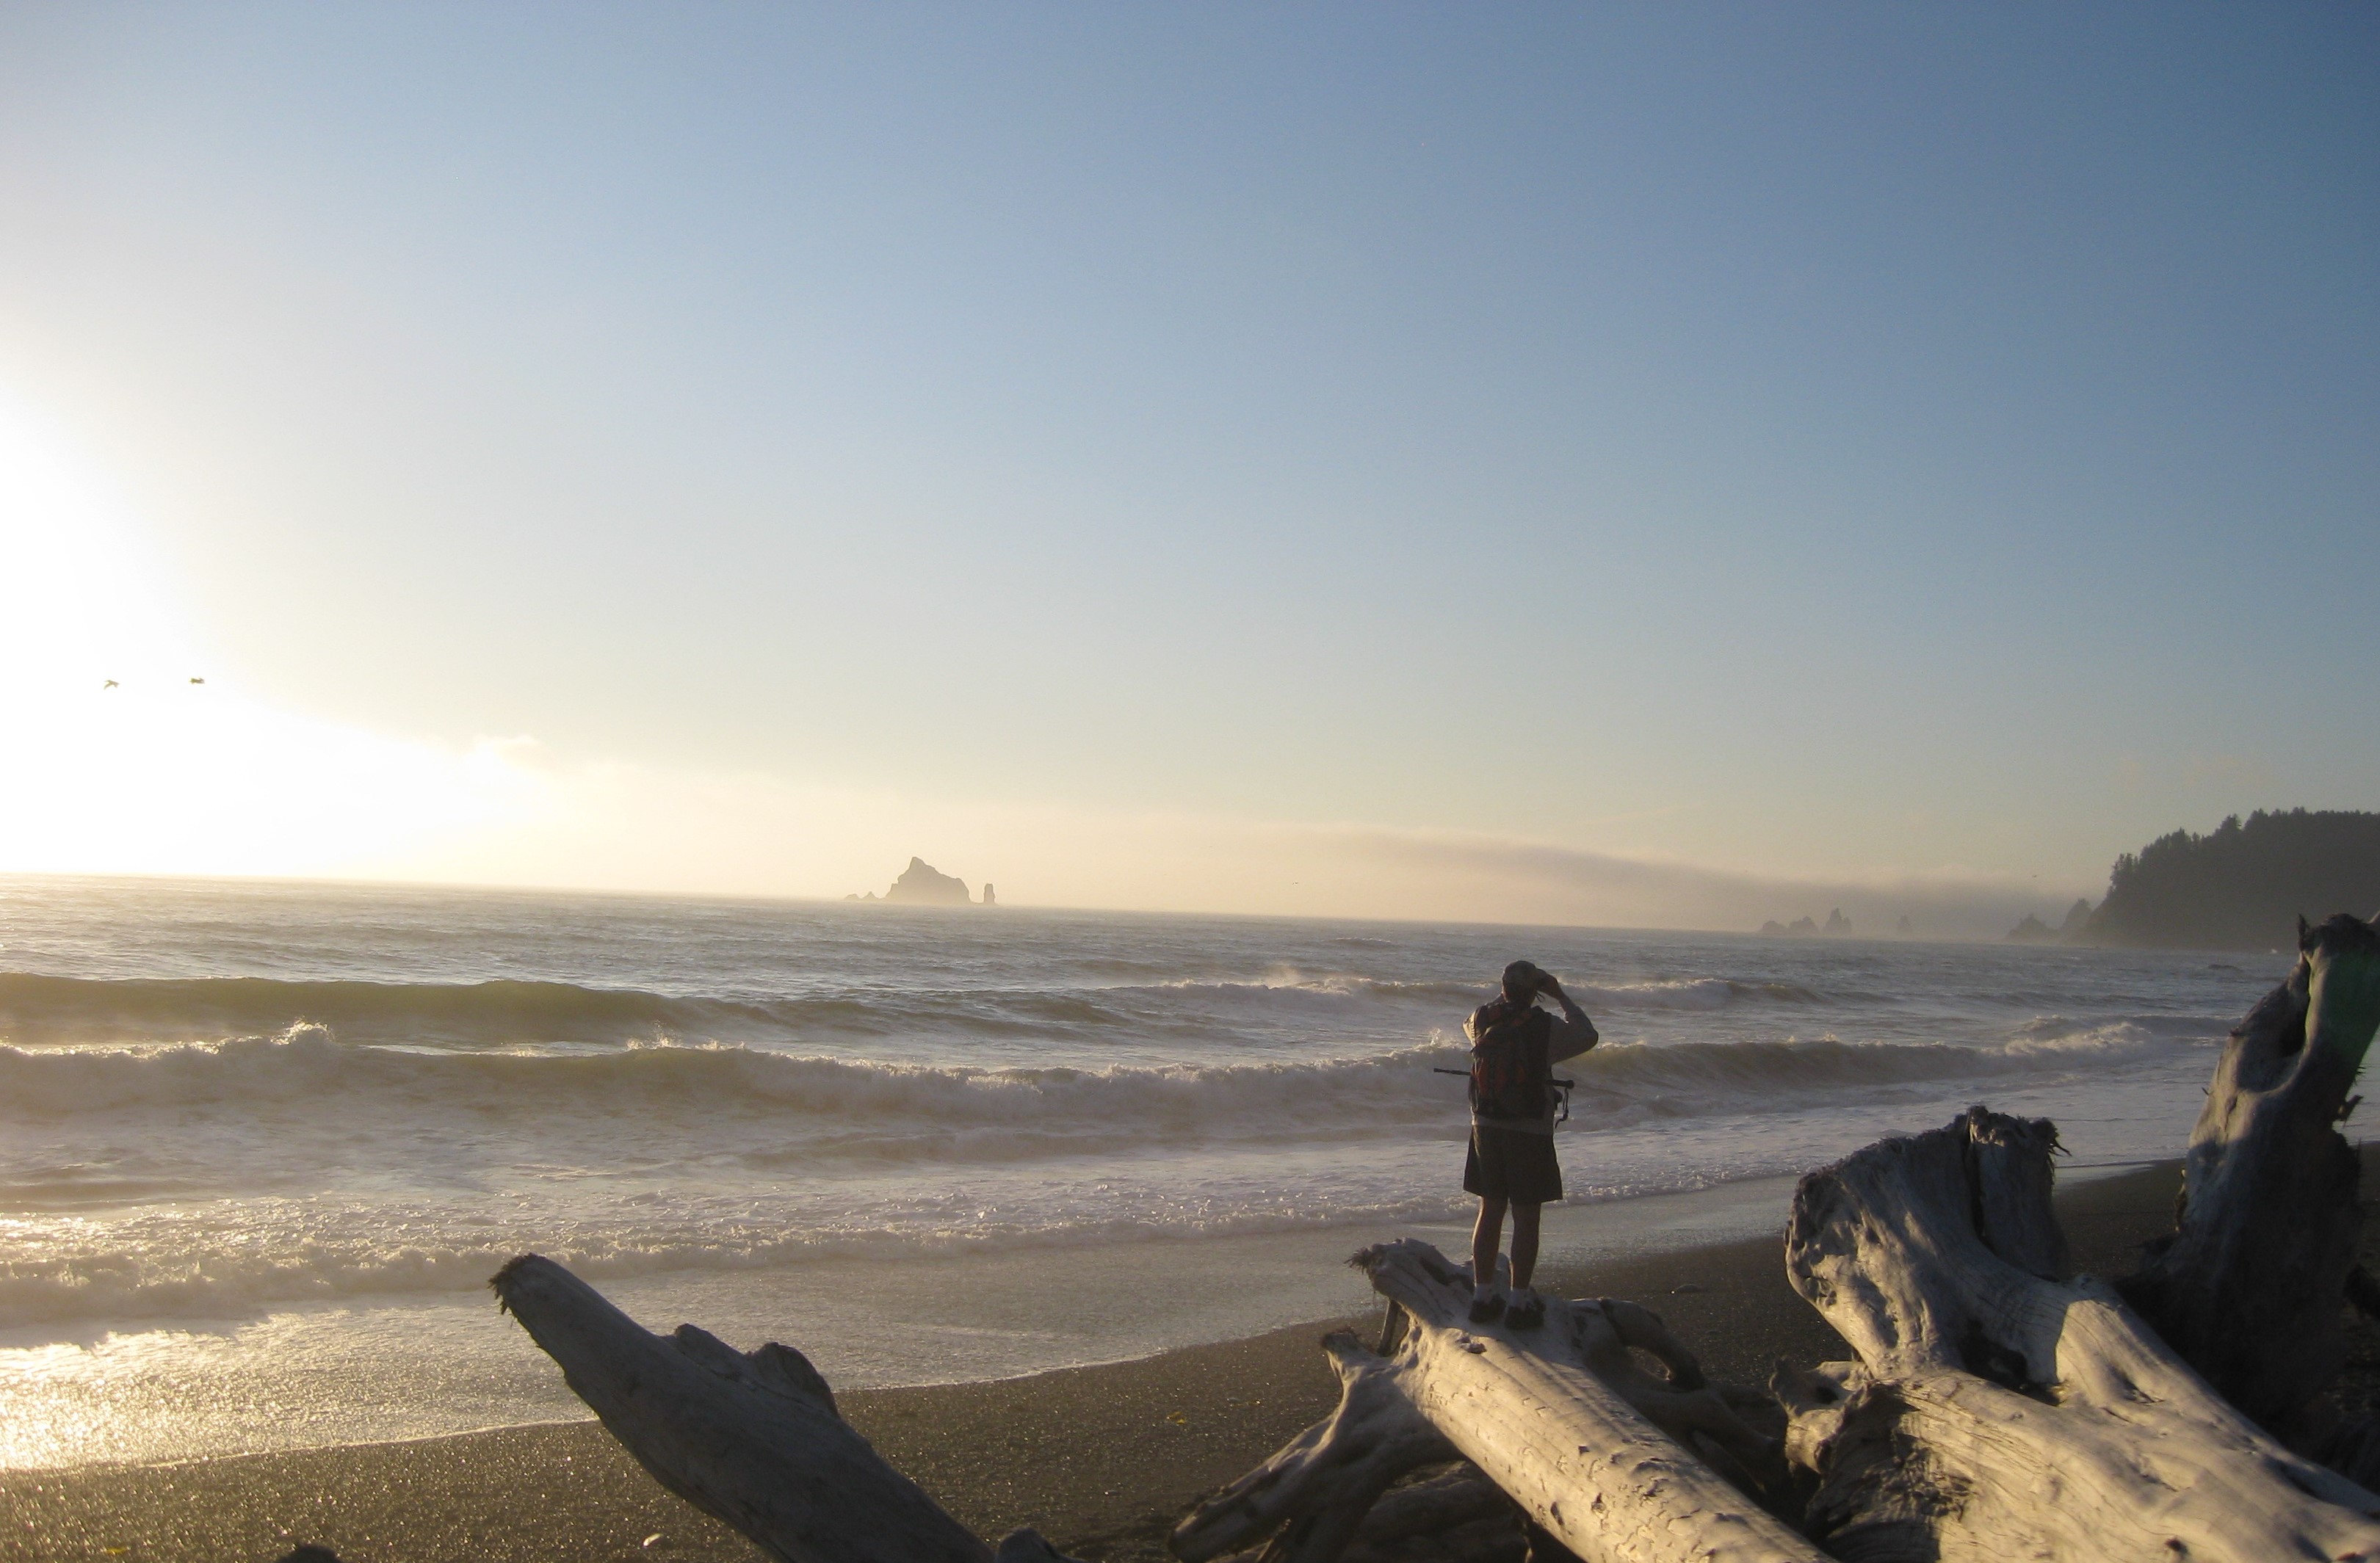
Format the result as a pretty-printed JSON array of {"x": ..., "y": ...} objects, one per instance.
[
  {"x": 111, "y": 683},
  {"x": 198, "y": 681}
]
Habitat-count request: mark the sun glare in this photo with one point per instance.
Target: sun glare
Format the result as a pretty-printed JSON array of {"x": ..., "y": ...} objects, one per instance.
[{"x": 125, "y": 752}]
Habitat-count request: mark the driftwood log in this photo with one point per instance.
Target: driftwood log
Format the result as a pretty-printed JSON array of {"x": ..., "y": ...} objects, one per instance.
[
  {"x": 2001, "y": 1410},
  {"x": 2250, "y": 1286},
  {"x": 753, "y": 1439},
  {"x": 1586, "y": 1458}
]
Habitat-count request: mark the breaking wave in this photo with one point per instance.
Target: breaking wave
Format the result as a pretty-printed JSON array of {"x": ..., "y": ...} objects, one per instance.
[
  {"x": 37, "y": 1010},
  {"x": 1382, "y": 1092}
]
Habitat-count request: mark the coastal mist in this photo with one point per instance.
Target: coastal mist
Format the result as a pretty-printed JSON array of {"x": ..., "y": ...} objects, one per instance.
[{"x": 261, "y": 1146}]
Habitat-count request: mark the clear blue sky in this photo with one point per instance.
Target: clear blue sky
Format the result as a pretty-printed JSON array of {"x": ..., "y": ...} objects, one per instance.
[{"x": 1823, "y": 442}]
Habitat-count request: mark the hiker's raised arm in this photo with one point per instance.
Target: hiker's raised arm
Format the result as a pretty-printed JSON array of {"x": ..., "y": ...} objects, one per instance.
[{"x": 1572, "y": 1034}]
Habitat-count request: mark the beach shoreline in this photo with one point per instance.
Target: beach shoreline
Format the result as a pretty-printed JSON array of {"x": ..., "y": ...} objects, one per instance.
[{"x": 1103, "y": 1459}]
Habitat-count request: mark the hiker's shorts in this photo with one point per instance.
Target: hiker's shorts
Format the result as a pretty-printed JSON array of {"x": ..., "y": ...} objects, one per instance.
[{"x": 1513, "y": 1164}]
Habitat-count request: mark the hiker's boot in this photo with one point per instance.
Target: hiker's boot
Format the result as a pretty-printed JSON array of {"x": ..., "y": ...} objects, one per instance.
[
  {"x": 1486, "y": 1307},
  {"x": 1527, "y": 1312}
]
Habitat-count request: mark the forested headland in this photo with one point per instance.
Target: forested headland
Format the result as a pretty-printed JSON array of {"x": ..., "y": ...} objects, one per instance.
[{"x": 2244, "y": 886}]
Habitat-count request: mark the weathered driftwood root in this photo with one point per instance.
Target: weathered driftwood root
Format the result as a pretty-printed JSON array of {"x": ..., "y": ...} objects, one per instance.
[
  {"x": 1456, "y": 1515},
  {"x": 753, "y": 1439},
  {"x": 1530, "y": 1410},
  {"x": 1316, "y": 1489},
  {"x": 1717, "y": 1420},
  {"x": 2000, "y": 1410},
  {"x": 2249, "y": 1285}
]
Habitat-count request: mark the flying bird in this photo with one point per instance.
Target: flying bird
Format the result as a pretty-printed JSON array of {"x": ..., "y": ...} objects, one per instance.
[
  {"x": 198, "y": 681},
  {"x": 109, "y": 685}
]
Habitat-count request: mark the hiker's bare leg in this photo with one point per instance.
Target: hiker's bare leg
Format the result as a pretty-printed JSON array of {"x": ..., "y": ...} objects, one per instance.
[
  {"x": 1485, "y": 1233},
  {"x": 1525, "y": 1244}
]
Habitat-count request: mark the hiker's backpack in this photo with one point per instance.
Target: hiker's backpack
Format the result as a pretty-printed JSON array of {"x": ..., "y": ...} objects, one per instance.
[{"x": 1508, "y": 1068}]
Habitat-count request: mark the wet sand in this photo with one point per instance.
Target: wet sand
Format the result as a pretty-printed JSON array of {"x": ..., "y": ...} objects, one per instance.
[{"x": 1103, "y": 1459}]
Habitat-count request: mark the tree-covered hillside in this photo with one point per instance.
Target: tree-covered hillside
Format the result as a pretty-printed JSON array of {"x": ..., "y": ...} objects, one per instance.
[{"x": 2244, "y": 886}]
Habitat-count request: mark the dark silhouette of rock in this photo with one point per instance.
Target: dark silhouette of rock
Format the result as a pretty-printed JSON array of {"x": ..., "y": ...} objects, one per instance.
[
  {"x": 1803, "y": 926},
  {"x": 2078, "y": 917},
  {"x": 1837, "y": 923},
  {"x": 2033, "y": 930},
  {"x": 2244, "y": 886},
  {"x": 1905, "y": 928},
  {"x": 920, "y": 885},
  {"x": 1773, "y": 929},
  {"x": 989, "y": 899}
]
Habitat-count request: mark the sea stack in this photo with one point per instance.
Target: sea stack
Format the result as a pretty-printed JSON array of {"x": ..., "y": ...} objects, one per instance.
[{"x": 921, "y": 884}]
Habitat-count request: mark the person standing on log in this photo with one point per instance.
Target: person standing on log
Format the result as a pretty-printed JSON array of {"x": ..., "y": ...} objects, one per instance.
[{"x": 1510, "y": 1164}]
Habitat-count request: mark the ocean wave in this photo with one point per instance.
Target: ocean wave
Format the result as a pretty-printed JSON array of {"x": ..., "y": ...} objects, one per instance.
[
  {"x": 55, "y": 1010},
  {"x": 1682, "y": 993},
  {"x": 41, "y": 1011},
  {"x": 2044, "y": 1033},
  {"x": 1695, "y": 993},
  {"x": 311, "y": 1065},
  {"x": 1733, "y": 1075},
  {"x": 922, "y": 1111},
  {"x": 38, "y": 1010}
]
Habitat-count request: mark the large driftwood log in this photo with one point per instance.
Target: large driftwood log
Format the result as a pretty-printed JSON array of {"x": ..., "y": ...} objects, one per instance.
[
  {"x": 752, "y": 1439},
  {"x": 2001, "y": 1410},
  {"x": 1532, "y": 1411},
  {"x": 2250, "y": 1286}
]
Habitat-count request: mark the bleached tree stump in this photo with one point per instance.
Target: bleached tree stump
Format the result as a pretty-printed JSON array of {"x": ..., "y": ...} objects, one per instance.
[
  {"x": 752, "y": 1439},
  {"x": 2000, "y": 1410},
  {"x": 2249, "y": 1287},
  {"x": 1527, "y": 1409}
]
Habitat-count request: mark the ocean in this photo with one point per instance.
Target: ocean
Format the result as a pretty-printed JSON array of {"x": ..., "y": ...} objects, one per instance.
[{"x": 262, "y": 1145}]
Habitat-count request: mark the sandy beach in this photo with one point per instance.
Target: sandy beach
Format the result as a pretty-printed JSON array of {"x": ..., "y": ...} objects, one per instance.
[{"x": 1103, "y": 1459}]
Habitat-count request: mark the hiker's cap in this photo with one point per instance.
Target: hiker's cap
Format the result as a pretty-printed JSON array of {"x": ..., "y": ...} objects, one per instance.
[{"x": 1522, "y": 980}]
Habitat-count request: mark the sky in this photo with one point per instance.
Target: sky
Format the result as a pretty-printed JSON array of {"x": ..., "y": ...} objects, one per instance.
[{"x": 1673, "y": 465}]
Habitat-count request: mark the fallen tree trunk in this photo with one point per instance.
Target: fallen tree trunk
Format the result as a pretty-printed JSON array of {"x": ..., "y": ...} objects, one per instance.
[
  {"x": 2001, "y": 1410},
  {"x": 752, "y": 1439},
  {"x": 2249, "y": 1287},
  {"x": 1528, "y": 1410}
]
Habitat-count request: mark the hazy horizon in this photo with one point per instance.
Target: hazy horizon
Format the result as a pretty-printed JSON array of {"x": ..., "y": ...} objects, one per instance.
[{"x": 1593, "y": 467}]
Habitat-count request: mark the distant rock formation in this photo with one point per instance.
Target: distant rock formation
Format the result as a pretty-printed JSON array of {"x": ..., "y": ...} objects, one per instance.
[
  {"x": 1905, "y": 928},
  {"x": 989, "y": 899},
  {"x": 920, "y": 885},
  {"x": 2244, "y": 886},
  {"x": 2033, "y": 930},
  {"x": 1803, "y": 926},
  {"x": 1837, "y": 923},
  {"x": 1773, "y": 929}
]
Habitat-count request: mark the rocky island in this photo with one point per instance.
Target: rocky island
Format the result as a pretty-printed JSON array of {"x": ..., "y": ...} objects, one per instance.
[{"x": 922, "y": 884}]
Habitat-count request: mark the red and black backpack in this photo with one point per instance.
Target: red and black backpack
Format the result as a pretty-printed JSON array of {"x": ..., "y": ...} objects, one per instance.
[{"x": 1510, "y": 1072}]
